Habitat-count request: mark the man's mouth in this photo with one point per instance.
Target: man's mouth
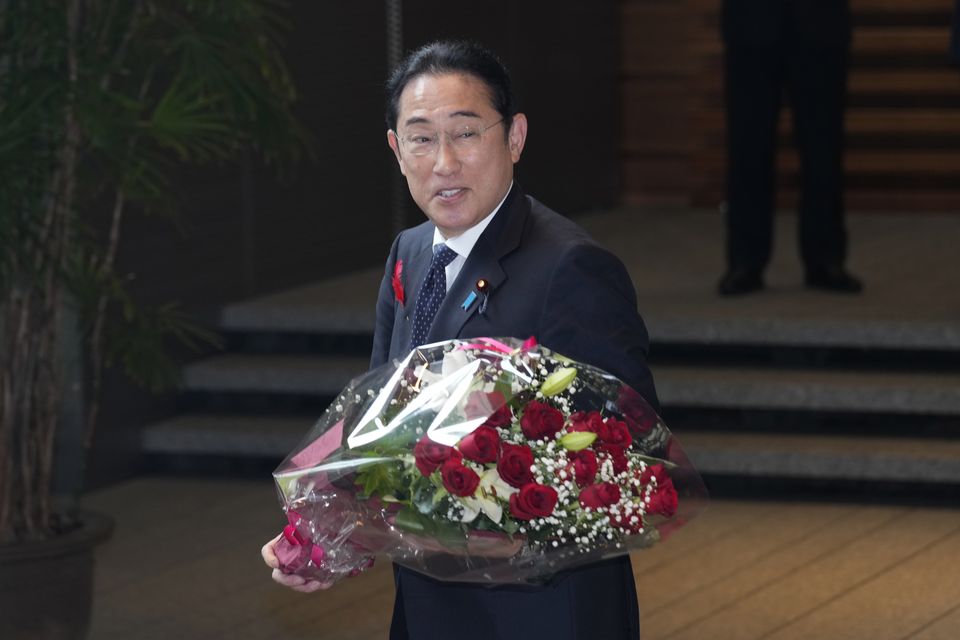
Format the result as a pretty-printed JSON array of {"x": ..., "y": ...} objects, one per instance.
[{"x": 447, "y": 194}]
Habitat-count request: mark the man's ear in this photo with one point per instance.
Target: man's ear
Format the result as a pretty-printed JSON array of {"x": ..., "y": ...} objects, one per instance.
[
  {"x": 394, "y": 144},
  {"x": 518, "y": 136}
]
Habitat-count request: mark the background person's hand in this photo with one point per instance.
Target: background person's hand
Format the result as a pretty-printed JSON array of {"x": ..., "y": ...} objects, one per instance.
[{"x": 295, "y": 582}]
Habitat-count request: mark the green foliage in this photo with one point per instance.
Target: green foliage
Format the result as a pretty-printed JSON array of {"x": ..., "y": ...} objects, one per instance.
[
  {"x": 381, "y": 479},
  {"x": 102, "y": 104},
  {"x": 137, "y": 89}
]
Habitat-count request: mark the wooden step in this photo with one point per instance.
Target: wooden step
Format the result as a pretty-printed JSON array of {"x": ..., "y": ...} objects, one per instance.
[
  {"x": 856, "y": 6},
  {"x": 896, "y": 40},
  {"x": 909, "y": 88},
  {"x": 867, "y": 41},
  {"x": 857, "y": 121},
  {"x": 905, "y": 81},
  {"x": 860, "y": 161}
]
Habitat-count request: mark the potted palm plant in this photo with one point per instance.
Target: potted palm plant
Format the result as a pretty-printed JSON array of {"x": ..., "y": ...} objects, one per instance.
[{"x": 101, "y": 103}]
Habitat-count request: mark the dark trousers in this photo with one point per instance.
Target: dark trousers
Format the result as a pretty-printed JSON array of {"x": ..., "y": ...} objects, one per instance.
[
  {"x": 814, "y": 77},
  {"x": 594, "y": 602}
]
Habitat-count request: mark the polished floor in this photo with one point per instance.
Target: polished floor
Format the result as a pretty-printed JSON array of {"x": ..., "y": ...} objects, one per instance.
[{"x": 184, "y": 563}]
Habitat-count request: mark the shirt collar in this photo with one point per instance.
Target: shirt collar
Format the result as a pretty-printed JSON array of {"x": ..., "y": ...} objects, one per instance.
[{"x": 463, "y": 243}]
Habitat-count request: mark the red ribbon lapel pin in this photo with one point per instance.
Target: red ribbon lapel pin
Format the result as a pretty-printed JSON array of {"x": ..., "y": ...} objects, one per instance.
[{"x": 398, "y": 282}]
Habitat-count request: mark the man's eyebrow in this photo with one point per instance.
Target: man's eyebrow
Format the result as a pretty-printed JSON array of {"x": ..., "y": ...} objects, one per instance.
[{"x": 456, "y": 114}]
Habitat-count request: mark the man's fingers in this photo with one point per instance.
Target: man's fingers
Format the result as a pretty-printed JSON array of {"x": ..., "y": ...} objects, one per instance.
[
  {"x": 288, "y": 579},
  {"x": 269, "y": 556},
  {"x": 312, "y": 585},
  {"x": 299, "y": 583}
]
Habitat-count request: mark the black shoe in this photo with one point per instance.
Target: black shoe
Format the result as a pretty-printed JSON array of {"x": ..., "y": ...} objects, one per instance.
[
  {"x": 740, "y": 280},
  {"x": 832, "y": 278}
]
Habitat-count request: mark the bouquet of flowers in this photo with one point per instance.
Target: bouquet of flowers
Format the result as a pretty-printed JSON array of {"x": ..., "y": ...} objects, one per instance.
[{"x": 482, "y": 461}]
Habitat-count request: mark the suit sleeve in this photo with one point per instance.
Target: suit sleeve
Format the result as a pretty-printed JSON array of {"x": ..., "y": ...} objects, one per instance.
[
  {"x": 383, "y": 327},
  {"x": 590, "y": 314}
]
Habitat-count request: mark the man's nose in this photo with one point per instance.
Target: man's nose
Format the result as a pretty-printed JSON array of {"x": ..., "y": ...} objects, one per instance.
[{"x": 447, "y": 161}]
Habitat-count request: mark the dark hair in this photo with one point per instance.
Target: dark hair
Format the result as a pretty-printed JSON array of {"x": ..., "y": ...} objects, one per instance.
[{"x": 453, "y": 56}]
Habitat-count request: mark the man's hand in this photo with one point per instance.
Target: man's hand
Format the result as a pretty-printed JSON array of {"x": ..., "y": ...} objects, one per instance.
[{"x": 297, "y": 583}]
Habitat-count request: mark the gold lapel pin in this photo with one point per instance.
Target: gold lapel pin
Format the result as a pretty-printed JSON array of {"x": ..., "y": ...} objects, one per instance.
[{"x": 483, "y": 286}]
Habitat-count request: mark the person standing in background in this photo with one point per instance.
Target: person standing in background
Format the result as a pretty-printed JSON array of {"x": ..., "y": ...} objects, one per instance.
[{"x": 802, "y": 46}]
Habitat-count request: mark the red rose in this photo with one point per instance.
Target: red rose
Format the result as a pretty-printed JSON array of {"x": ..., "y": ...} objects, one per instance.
[
  {"x": 654, "y": 472},
  {"x": 623, "y": 521},
  {"x": 429, "y": 455},
  {"x": 599, "y": 495},
  {"x": 664, "y": 500},
  {"x": 613, "y": 431},
  {"x": 533, "y": 501},
  {"x": 514, "y": 464},
  {"x": 540, "y": 421},
  {"x": 617, "y": 454},
  {"x": 580, "y": 421},
  {"x": 481, "y": 446},
  {"x": 583, "y": 465},
  {"x": 459, "y": 479},
  {"x": 638, "y": 415},
  {"x": 493, "y": 405}
]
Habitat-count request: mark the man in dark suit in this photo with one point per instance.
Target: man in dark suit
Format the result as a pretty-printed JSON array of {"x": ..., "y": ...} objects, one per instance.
[
  {"x": 801, "y": 46},
  {"x": 491, "y": 261}
]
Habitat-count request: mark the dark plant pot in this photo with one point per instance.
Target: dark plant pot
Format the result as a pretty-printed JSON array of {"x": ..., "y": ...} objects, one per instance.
[{"x": 46, "y": 588}]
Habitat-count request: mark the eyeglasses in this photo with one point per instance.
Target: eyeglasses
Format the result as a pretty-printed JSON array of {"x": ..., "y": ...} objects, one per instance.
[{"x": 464, "y": 138}]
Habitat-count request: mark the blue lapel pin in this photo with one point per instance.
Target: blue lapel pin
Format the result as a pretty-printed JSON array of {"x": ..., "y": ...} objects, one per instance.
[{"x": 469, "y": 301}]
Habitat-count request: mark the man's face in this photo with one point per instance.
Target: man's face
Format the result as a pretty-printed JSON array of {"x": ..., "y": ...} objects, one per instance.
[{"x": 455, "y": 186}]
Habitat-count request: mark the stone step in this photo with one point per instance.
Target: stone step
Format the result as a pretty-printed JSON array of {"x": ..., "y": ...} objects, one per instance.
[
  {"x": 675, "y": 260},
  {"x": 678, "y": 386},
  {"x": 783, "y": 456},
  {"x": 809, "y": 389},
  {"x": 225, "y": 435},
  {"x": 922, "y": 460},
  {"x": 286, "y": 374},
  {"x": 345, "y": 306}
]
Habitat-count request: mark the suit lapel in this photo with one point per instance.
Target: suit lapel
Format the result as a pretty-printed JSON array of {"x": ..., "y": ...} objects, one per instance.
[
  {"x": 501, "y": 237},
  {"x": 415, "y": 266}
]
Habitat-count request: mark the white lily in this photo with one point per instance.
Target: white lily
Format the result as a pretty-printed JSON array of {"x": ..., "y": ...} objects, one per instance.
[
  {"x": 492, "y": 484},
  {"x": 485, "y": 498},
  {"x": 471, "y": 509},
  {"x": 453, "y": 361}
]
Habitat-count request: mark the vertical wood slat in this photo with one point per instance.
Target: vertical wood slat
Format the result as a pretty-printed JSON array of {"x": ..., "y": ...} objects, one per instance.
[{"x": 658, "y": 68}]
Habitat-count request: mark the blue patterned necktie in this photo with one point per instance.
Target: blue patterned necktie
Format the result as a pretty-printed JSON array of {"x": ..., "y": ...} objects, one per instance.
[{"x": 431, "y": 293}]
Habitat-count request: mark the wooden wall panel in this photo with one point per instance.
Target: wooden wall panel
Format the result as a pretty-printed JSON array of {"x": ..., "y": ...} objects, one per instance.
[
  {"x": 658, "y": 68},
  {"x": 903, "y": 117}
]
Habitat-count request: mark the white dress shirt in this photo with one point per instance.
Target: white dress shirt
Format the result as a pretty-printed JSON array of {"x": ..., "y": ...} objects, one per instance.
[{"x": 462, "y": 245}]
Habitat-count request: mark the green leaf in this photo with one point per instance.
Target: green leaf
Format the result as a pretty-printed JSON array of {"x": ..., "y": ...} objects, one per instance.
[
  {"x": 381, "y": 479},
  {"x": 425, "y": 498}
]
